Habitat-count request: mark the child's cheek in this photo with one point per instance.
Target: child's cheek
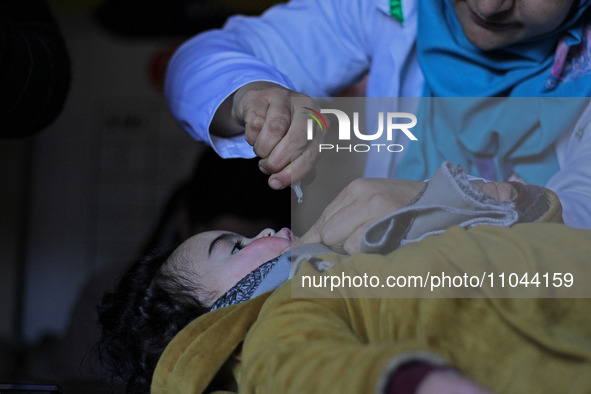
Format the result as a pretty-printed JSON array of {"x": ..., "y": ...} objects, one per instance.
[{"x": 266, "y": 248}]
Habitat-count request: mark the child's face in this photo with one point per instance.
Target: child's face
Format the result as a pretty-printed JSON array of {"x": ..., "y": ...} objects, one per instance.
[
  {"x": 491, "y": 24},
  {"x": 221, "y": 259}
]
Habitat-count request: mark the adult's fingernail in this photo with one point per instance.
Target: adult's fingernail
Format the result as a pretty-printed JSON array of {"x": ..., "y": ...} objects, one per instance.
[
  {"x": 275, "y": 184},
  {"x": 262, "y": 169}
]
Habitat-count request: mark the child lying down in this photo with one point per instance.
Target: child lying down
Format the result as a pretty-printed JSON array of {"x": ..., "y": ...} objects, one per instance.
[{"x": 208, "y": 303}]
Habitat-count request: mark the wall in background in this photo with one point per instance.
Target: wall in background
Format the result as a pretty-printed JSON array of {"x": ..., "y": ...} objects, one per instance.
[{"x": 14, "y": 182}]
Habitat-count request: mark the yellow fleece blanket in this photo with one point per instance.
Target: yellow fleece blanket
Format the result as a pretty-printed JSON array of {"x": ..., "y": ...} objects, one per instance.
[{"x": 279, "y": 344}]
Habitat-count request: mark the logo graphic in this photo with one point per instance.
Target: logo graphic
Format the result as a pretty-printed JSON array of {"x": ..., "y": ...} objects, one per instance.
[
  {"x": 387, "y": 124},
  {"x": 315, "y": 115}
]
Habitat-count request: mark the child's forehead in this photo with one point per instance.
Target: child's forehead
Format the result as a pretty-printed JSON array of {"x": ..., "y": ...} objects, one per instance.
[{"x": 208, "y": 236}]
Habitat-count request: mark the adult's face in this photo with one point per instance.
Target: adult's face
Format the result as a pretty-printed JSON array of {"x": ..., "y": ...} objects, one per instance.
[{"x": 492, "y": 24}]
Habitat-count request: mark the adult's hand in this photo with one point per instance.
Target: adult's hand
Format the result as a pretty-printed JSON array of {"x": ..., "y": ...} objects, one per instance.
[
  {"x": 276, "y": 128},
  {"x": 363, "y": 202}
]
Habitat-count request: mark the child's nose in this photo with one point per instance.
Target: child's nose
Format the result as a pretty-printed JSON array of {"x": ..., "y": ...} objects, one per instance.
[{"x": 265, "y": 233}]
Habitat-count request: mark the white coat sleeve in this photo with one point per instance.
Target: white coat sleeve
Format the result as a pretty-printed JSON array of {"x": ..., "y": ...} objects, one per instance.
[
  {"x": 572, "y": 183},
  {"x": 316, "y": 47}
]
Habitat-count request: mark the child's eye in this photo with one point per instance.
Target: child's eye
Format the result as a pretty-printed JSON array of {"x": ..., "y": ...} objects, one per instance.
[{"x": 237, "y": 247}]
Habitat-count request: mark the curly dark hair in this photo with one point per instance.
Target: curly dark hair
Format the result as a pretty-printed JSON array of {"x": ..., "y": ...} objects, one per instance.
[{"x": 149, "y": 306}]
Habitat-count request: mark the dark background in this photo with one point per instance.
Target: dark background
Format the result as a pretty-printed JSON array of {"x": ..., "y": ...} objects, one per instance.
[{"x": 112, "y": 176}]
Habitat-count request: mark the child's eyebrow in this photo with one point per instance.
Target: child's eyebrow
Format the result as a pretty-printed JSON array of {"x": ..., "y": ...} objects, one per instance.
[{"x": 218, "y": 239}]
